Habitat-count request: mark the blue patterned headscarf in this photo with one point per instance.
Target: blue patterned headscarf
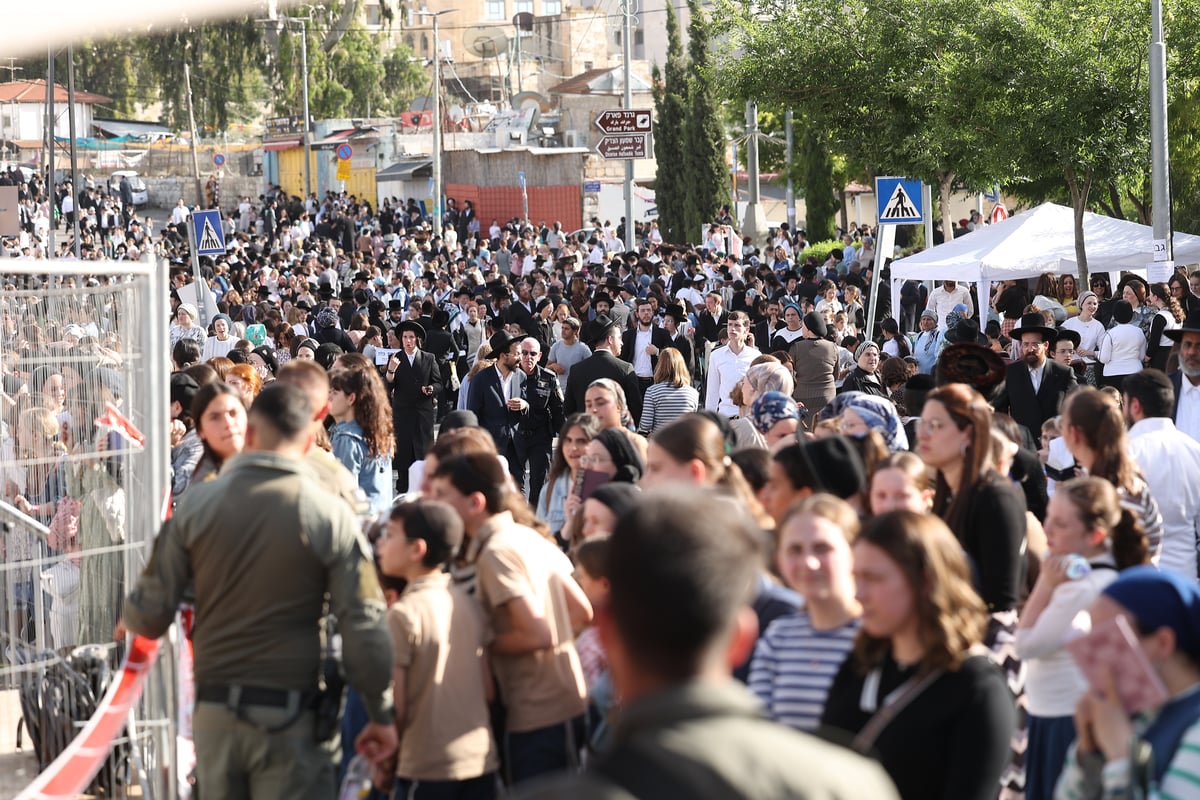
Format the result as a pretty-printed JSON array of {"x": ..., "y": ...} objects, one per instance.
[
  {"x": 881, "y": 416},
  {"x": 771, "y": 407}
]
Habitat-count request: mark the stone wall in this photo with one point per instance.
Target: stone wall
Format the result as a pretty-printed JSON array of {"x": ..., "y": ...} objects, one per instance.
[{"x": 165, "y": 192}]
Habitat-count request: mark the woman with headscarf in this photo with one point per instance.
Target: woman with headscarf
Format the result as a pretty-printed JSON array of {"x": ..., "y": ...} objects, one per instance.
[
  {"x": 865, "y": 376},
  {"x": 816, "y": 361},
  {"x": 863, "y": 412},
  {"x": 776, "y": 418},
  {"x": 783, "y": 338},
  {"x": 185, "y": 327},
  {"x": 222, "y": 340}
]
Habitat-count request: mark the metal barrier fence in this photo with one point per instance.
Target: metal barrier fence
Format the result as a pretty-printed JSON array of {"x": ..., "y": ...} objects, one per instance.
[{"x": 84, "y": 354}]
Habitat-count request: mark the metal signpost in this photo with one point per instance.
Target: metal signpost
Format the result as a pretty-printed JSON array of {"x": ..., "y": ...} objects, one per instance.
[
  {"x": 626, "y": 137},
  {"x": 899, "y": 201},
  {"x": 207, "y": 238}
]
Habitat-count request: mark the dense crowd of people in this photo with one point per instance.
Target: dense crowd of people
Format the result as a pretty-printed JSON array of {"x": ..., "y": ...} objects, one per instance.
[{"x": 605, "y": 486}]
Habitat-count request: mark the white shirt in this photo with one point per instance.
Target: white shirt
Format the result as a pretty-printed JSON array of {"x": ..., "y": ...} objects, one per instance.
[
  {"x": 508, "y": 383},
  {"x": 1188, "y": 418},
  {"x": 641, "y": 359},
  {"x": 942, "y": 302},
  {"x": 1122, "y": 350},
  {"x": 179, "y": 215},
  {"x": 1054, "y": 683},
  {"x": 1170, "y": 464},
  {"x": 725, "y": 369}
]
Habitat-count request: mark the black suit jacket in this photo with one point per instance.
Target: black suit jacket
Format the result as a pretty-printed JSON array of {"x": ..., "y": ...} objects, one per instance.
[
  {"x": 602, "y": 364},
  {"x": 412, "y": 409},
  {"x": 1017, "y": 398},
  {"x": 658, "y": 337},
  {"x": 487, "y": 401}
]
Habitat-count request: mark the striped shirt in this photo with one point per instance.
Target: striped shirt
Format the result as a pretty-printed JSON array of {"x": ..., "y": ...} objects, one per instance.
[
  {"x": 1178, "y": 782},
  {"x": 665, "y": 403},
  {"x": 794, "y": 665}
]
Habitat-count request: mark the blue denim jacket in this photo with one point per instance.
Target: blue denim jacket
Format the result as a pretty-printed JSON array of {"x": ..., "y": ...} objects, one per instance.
[{"x": 374, "y": 475}]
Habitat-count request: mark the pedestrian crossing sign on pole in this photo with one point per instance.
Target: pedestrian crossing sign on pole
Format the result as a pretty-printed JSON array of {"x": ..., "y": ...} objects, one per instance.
[
  {"x": 209, "y": 236},
  {"x": 899, "y": 201}
]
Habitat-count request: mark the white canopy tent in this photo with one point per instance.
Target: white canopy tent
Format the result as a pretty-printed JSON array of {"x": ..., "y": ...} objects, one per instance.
[{"x": 1028, "y": 244}]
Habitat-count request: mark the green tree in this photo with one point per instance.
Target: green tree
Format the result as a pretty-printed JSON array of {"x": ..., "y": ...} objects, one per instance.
[
  {"x": 820, "y": 218},
  {"x": 670, "y": 102},
  {"x": 222, "y": 59},
  {"x": 704, "y": 145},
  {"x": 902, "y": 95}
]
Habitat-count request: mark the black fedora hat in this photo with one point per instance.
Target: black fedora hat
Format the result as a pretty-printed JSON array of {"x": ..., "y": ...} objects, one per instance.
[
  {"x": 502, "y": 340},
  {"x": 414, "y": 326},
  {"x": 1191, "y": 324},
  {"x": 1034, "y": 322}
]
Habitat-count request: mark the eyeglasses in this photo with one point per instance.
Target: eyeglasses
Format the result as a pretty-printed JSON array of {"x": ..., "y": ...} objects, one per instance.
[
  {"x": 930, "y": 425},
  {"x": 1031, "y": 345}
]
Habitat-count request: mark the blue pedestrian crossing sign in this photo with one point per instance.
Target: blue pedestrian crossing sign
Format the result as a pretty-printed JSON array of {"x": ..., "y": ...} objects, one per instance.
[
  {"x": 898, "y": 201},
  {"x": 209, "y": 236}
]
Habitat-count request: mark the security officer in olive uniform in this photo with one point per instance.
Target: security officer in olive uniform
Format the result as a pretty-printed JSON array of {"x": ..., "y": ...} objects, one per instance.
[
  {"x": 542, "y": 421},
  {"x": 263, "y": 545}
]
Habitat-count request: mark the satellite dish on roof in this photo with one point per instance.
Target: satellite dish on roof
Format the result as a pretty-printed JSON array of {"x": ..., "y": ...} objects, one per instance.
[
  {"x": 456, "y": 113},
  {"x": 484, "y": 41},
  {"x": 533, "y": 100}
]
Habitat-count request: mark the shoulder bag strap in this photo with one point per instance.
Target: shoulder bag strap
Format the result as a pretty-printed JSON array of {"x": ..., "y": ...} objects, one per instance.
[{"x": 909, "y": 691}]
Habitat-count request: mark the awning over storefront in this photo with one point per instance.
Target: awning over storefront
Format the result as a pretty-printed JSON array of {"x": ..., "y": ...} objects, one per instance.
[{"x": 286, "y": 143}]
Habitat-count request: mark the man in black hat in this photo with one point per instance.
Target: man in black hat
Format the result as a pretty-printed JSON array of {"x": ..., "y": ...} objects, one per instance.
[
  {"x": 603, "y": 363},
  {"x": 1034, "y": 387},
  {"x": 416, "y": 382},
  {"x": 1186, "y": 379},
  {"x": 674, "y": 321},
  {"x": 395, "y": 313},
  {"x": 497, "y": 397}
]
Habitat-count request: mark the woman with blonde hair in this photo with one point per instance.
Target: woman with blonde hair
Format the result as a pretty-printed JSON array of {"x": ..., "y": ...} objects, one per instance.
[
  {"x": 670, "y": 396},
  {"x": 797, "y": 655},
  {"x": 918, "y": 692}
]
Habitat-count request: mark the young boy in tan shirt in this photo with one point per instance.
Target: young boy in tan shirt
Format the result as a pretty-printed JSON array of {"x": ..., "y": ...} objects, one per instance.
[{"x": 442, "y": 682}]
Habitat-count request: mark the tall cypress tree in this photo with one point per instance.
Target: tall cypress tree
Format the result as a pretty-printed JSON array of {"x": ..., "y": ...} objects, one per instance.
[
  {"x": 704, "y": 148},
  {"x": 670, "y": 102},
  {"x": 822, "y": 207}
]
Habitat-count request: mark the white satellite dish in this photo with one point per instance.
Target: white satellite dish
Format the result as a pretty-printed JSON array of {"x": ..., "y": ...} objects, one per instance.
[
  {"x": 485, "y": 41},
  {"x": 456, "y": 113}
]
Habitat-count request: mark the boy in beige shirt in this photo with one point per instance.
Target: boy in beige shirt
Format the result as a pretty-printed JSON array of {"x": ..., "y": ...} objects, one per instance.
[{"x": 442, "y": 682}]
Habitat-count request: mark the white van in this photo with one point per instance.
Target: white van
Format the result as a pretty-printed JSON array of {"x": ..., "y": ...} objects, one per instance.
[{"x": 140, "y": 196}]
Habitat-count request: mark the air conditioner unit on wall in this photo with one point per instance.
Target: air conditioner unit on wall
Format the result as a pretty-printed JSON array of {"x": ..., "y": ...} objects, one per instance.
[{"x": 574, "y": 139}]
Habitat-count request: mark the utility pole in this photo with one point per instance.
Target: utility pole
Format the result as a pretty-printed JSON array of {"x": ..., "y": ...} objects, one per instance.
[
  {"x": 187, "y": 79},
  {"x": 437, "y": 119},
  {"x": 307, "y": 130},
  {"x": 1160, "y": 178},
  {"x": 790, "y": 197},
  {"x": 74, "y": 149},
  {"x": 50, "y": 253},
  {"x": 627, "y": 102}
]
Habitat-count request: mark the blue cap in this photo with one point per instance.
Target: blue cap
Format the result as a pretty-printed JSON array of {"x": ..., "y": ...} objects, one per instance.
[
  {"x": 961, "y": 308},
  {"x": 1161, "y": 599}
]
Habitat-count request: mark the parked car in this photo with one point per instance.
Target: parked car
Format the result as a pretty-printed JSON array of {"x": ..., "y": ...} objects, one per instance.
[{"x": 141, "y": 197}]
